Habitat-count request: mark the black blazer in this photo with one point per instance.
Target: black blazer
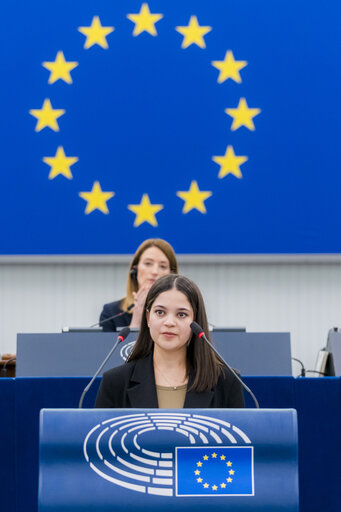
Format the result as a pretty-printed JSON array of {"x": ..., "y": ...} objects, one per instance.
[
  {"x": 133, "y": 385},
  {"x": 111, "y": 309}
]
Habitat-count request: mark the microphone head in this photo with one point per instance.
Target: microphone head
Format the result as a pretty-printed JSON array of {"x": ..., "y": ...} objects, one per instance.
[
  {"x": 197, "y": 329},
  {"x": 124, "y": 333}
]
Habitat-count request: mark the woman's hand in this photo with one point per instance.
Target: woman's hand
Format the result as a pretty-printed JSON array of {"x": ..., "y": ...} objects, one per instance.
[{"x": 139, "y": 302}]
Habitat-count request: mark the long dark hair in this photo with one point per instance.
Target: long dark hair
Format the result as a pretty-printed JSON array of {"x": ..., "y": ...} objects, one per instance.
[{"x": 201, "y": 359}]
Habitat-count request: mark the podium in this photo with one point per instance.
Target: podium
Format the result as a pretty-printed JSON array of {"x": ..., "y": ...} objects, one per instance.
[{"x": 175, "y": 459}]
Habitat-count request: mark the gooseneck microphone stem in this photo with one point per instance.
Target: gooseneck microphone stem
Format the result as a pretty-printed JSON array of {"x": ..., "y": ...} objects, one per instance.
[
  {"x": 201, "y": 334},
  {"x": 121, "y": 337},
  {"x": 112, "y": 317},
  {"x": 303, "y": 370}
]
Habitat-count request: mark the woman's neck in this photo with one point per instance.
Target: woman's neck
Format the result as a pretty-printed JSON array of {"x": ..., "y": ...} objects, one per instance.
[{"x": 170, "y": 369}]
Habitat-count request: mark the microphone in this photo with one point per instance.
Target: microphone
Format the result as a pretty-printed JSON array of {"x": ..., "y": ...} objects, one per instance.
[
  {"x": 121, "y": 337},
  {"x": 4, "y": 368},
  {"x": 198, "y": 331},
  {"x": 303, "y": 370},
  {"x": 112, "y": 317},
  {"x": 86, "y": 329}
]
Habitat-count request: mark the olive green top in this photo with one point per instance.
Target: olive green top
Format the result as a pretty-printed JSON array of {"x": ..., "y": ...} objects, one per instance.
[{"x": 171, "y": 397}]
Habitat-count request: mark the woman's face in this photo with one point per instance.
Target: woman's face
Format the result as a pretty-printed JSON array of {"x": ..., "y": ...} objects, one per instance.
[
  {"x": 169, "y": 321},
  {"x": 153, "y": 264}
]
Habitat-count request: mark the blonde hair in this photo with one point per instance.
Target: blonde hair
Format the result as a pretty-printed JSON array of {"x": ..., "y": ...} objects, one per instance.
[{"x": 132, "y": 285}]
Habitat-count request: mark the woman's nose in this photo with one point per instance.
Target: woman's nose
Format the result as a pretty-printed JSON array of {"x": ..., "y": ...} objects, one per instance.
[{"x": 170, "y": 320}]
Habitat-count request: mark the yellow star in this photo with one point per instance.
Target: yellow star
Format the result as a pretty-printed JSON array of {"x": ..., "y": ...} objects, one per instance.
[
  {"x": 199, "y": 464},
  {"x": 144, "y": 21},
  {"x": 222, "y": 457},
  {"x": 242, "y": 115},
  {"x": 223, "y": 485},
  {"x": 206, "y": 486},
  {"x": 199, "y": 480},
  {"x": 145, "y": 211},
  {"x": 229, "y": 480},
  {"x": 229, "y": 163},
  {"x": 205, "y": 457},
  {"x": 214, "y": 455},
  {"x": 229, "y": 463},
  {"x": 231, "y": 472},
  {"x": 60, "y": 69},
  {"x": 214, "y": 487},
  {"x": 197, "y": 472},
  {"x": 47, "y": 117},
  {"x": 229, "y": 68},
  {"x": 193, "y": 33},
  {"x": 96, "y": 33},
  {"x": 97, "y": 199},
  {"x": 60, "y": 163},
  {"x": 194, "y": 198}
]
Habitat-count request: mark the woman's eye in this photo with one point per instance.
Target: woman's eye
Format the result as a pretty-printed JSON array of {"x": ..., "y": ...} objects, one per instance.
[
  {"x": 182, "y": 315},
  {"x": 159, "y": 312}
]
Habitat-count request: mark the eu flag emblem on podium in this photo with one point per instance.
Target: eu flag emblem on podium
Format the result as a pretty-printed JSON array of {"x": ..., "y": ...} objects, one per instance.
[{"x": 214, "y": 471}]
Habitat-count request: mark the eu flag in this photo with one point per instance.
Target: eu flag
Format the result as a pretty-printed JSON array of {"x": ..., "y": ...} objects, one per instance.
[
  {"x": 214, "y": 471},
  {"x": 213, "y": 124}
]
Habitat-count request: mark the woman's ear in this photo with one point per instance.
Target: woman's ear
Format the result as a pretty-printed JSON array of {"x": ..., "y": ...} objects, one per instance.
[{"x": 147, "y": 317}]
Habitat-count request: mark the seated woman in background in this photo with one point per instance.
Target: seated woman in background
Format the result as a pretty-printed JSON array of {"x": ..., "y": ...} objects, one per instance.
[
  {"x": 154, "y": 258},
  {"x": 169, "y": 366}
]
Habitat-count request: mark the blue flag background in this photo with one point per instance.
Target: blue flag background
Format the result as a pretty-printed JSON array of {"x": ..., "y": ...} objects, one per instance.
[
  {"x": 214, "y": 471},
  {"x": 142, "y": 143}
]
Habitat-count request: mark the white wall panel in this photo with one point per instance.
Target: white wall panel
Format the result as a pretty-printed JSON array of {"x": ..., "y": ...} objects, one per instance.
[{"x": 303, "y": 299}]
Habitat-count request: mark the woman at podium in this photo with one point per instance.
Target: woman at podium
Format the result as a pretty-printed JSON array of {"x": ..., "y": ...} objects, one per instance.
[
  {"x": 154, "y": 258},
  {"x": 170, "y": 367}
]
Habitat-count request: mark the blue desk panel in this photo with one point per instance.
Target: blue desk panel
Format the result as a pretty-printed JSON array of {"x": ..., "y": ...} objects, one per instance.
[{"x": 318, "y": 404}]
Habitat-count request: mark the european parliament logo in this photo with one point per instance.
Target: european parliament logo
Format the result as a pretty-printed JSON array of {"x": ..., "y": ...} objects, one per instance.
[{"x": 197, "y": 455}]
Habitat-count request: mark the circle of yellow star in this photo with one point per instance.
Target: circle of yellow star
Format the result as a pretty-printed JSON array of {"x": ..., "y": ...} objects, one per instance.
[
  {"x": 229, "y": 480},
  {"x": 145, "y": 211},
  {"x": 242, "y": 115},
  {"x": 206, "y": 486},
  {"x": 60, "y": 164},
  {"x": 229, "y": 463},
  {"x": 214, "y": 455},
  {"x": 199, "y": 480},
  {"x": 197, "y": 472},
  {"x": 47, "y": 116},
  {"x": 229, "y": 163},
  {"x": 199, "y": 464},
  {"x": 231, "y": 472},
  {"x": 60, "y": 69},
  {"x": 214, "y": 487},
  {"x": 222, "y": 457},
  {"x": 96, "y": 199},
  {"x": 193, "y": 33},
  {"x": 194, "y": 198},
  {"x": 223, "y": 485},
  {"x": 144, "y": 21},
  {"x": 96, "y": 34},
  {"x": 205, "y": 457},
  {"x": 229, "y": 68}
]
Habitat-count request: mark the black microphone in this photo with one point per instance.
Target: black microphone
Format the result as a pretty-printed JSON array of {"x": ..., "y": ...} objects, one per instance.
[
  {"x": 86, "y": 329},
  {"x": 121, "y": 337},
  {"x": 303, "y": 370},
  {"x": 112, "y": 317},
  {"x": 201, "y": 334}
]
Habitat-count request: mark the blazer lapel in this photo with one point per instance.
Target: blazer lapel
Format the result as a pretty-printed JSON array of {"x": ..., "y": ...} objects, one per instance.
[{"x": 142, "y": 390}]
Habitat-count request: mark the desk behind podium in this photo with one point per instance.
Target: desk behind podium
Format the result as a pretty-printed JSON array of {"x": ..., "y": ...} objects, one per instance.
[
  {"x": 79, "y": 354},
  {"x": 176, "y": 459}
]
